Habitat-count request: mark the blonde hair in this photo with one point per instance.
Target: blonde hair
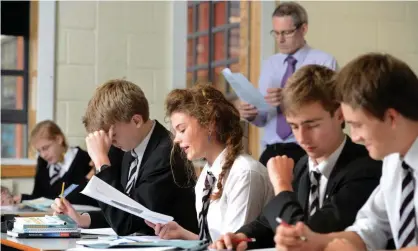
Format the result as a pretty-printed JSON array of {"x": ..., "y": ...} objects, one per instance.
[
  {"x": 47, "y": 129},
  {"x": 311, "y": 83},
  {"x": 117, "y": 100},
  {"x": 210, "y": 107}
]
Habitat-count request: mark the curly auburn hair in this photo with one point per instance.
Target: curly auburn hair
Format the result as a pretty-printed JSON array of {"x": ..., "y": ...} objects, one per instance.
[{"x": 210, "y": 107}]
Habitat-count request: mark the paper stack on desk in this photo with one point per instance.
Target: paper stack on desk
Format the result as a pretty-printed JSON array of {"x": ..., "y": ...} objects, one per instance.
[{"x": 100, "y": 190}]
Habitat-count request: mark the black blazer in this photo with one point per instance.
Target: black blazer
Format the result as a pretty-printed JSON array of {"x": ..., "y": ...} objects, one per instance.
[
  {"x": 76, "y": 174},
  {"x": 160, "y": 186},
  {"x": 353, "y": 179}
]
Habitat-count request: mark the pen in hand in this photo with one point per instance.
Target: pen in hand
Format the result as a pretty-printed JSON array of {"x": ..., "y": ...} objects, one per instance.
[
  {"x": 62, "y": 191},
  {"x": 239, "y": 240},
  {"x": 284, "y": 223}
]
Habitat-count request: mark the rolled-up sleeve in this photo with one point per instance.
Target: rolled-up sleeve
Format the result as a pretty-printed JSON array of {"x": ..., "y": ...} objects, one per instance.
[{"x": 372, "y": 222}]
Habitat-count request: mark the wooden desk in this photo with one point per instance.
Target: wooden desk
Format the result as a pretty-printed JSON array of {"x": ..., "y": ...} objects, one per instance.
[{"x": 35, "y": 244}]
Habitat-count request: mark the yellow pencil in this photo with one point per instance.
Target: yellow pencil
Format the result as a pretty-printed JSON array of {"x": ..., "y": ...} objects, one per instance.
[{"x": 62, "y": 190}]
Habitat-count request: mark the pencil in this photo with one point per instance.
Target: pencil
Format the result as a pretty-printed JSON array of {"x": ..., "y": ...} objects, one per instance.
[
  {"x": 238, "y": 241},
  {"x": 62, "y": 191},
  {"x": 284, "y": 223}
]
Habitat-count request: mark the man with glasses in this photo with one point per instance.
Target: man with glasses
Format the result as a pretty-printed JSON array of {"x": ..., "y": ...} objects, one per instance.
[{"x": 290, "y": 25}]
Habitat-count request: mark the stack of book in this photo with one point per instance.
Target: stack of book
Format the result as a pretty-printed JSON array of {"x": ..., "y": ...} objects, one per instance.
[{"x": 58, "y": 226}]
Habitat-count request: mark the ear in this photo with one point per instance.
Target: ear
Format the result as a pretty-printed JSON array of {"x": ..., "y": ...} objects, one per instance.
[
  {"x": 338, "y": 114},
  {"x": 392, "y": 116},
  {"x": 304, "y": 29},
  {"x": 59, "y": 139},
  {"x": 137, "y": 119}
]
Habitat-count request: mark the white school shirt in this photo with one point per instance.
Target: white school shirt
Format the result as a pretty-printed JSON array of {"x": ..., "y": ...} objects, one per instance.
[
  {"x": 246, "y": 190},
  {"x": 69, "y": 157},
  {"x": 378, "y": 220}
]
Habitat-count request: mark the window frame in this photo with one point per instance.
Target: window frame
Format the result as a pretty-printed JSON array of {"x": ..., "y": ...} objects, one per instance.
[
  {"x": 210, "y": 33},
  {"x": 19, "y": 116}
]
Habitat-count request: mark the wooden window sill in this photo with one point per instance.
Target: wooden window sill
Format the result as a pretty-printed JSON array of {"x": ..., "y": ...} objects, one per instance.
[{"x": 18, "y": 171}]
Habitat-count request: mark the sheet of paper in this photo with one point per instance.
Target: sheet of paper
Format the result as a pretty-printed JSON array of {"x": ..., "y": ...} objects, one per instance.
[
  {"x": 143, "y": 238},
  {"x": 98, "y": 231},
  {"x": 245, "y": 90},
  {"x": 100, "y": 190},
  {"x": 122, "y": 249}
]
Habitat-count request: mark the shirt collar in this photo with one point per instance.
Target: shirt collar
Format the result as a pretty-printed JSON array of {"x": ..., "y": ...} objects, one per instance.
[
  {"x": 216, "y": 167},
  {"x": 299, "y": 55},
  {"x": 68, "y": 157},
  {"x": 140, "y": 149},
  {"x": 411, "y": 157},
  {"x": 325, "y": 167}
]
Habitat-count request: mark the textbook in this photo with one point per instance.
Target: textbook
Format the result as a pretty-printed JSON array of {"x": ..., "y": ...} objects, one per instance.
[
  {"x": 44, "y": 205},
  {"x": 47, "y": 222},
  {"x": 58, "y": 226},
  {"x": 73, "y": 234}
]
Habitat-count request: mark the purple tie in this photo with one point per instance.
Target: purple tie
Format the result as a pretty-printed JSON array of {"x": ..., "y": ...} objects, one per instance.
[{"x": 283, "y": 129}]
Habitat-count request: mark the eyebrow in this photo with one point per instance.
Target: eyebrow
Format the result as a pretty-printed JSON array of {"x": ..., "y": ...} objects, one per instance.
[
  {"x": 308, "y": 121},
  {"x": 351, "y": 122},
  {"x": 177, "y": 126}
]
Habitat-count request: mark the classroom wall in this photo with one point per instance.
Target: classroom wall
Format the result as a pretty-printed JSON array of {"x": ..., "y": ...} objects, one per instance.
[
  {"x": 350, "y": 28},
  {"x": 99, "y": 41}
]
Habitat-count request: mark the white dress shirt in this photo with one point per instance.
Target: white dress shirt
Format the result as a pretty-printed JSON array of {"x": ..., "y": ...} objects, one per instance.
[
  {"x": 246, "y": 190},
  {"x": 140, "y": 150},
  {"x": 325, "y": 168},
  {"x": 69, "y": 157},
  {"x": 378, "y": 220}
]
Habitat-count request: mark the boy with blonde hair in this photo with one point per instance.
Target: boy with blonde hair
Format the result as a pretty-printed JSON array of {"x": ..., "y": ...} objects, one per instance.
[{"x": 118, "y": 114}]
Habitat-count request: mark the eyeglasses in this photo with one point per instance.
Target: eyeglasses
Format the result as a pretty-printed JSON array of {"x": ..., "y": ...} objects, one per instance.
[{"x": 285, "y": 33}]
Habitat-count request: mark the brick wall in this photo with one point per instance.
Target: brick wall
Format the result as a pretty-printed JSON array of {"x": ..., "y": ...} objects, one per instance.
[{"x": 98, "y": 41}]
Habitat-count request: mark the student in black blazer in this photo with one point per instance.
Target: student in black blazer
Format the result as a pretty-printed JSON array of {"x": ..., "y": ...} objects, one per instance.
[
  {"x": 346, "y": 172},
  {"x": 152, "y": 172},
  {"x": 57, "y": 163}
]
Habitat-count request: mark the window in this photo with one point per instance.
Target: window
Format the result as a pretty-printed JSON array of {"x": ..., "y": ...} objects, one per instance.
[
  {"x": 14, "y": 79},
  {"x": 212, "y": 41}
]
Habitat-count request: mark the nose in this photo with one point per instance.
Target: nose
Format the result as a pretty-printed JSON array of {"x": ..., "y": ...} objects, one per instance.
[
  {"x": 355, "y": 136},
  {"x": 302, "y": 135},
  {"x": 177, "y": 138}
]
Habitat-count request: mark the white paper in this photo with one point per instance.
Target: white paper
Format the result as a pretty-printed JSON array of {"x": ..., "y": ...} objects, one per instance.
[
  {"x": 100, "y": 190},
  {"x": 122, "y": 249},
  {"x": 245, "y": 90},
  {"x": 98, "y": 231}
]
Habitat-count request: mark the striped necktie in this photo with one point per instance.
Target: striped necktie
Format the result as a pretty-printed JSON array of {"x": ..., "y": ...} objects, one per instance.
[
  {"x": 407, "y": 235},
  {"x": 132, "y": 172},
  {"x": 314, "y": 176},
  {"x": 55, "y": 174},
  {"x": 203, "y": 222}
]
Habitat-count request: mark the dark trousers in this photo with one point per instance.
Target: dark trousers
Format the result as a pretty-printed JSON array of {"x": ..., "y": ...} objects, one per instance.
[{"x": 291, "y": 150}]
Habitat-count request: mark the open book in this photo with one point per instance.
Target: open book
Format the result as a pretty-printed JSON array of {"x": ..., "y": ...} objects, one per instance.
[{"x": 100, "y": 190}]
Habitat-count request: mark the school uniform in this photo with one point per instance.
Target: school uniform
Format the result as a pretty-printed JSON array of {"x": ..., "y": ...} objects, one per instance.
[
  {"x": 391, "y": 212},
  {"x": 152, "y": 178},
  {"x": 325, "y": 197},
  {"x": 72, "y": 170},
  {"x": 246, "y": 190}
]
